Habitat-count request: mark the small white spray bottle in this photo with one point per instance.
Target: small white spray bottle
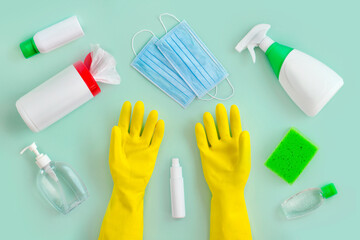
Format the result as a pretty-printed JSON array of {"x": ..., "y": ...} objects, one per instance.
[
  {"x": 58, "y": 182},
  {"x": 177, "y": 190},
  {"x": 309, "y": 83}
]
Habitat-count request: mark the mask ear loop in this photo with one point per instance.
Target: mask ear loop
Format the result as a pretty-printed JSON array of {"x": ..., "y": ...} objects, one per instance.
[
  {"x": 133, "y": 38},
  {"x": 166, "y": 14},
  {"x": 211, "y": 96},
  {"x": 223, "y": 99}
]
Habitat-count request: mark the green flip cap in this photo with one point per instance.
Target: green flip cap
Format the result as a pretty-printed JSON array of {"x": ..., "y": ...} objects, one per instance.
[
  {"x": 328, "y": 190},
  {"x": 29, "y": 48}
]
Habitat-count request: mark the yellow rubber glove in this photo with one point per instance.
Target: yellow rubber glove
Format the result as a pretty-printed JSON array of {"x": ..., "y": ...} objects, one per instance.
[
  {"x": 225, "y": 158},
  {"x": 132, "y": 160}
]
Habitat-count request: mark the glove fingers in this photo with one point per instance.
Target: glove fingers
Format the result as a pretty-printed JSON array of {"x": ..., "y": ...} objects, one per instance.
[
  {"x": 115, "y": 145},
  {"x": 210, "y": 128},
  {"x": 222, "y": 121},
  {"x": 137, "y": 119},
  {"x": 150, "y": 126},
  {"x": 201, "y": 136},
  {"x": 158, "y": 134},
  {"x": 244, "y": 147},
  {"x": 125, "y": 114},
  {"x": 235, "y": 122}
]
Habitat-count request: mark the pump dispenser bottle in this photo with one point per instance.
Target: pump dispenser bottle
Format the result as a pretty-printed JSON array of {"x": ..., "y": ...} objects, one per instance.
[
  {"x": 59, "y": 184},
  {"x": 309, "y": 83}
]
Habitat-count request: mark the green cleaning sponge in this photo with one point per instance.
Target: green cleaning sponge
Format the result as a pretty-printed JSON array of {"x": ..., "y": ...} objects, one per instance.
[{"x": 291, "y": 156}]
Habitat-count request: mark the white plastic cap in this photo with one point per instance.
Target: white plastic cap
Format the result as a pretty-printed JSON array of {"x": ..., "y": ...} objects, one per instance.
[
  {"x": 42, "y": 160},
  {"x": 255, "y": 38},
  {"x": 176, "y": 169},
  {"x": 175, "y": 162}
]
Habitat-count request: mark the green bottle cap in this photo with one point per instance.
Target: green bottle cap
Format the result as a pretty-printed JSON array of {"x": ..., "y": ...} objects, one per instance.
[
  {"x": 29, "y": 48},
  {"x": 328, "y": 190}
]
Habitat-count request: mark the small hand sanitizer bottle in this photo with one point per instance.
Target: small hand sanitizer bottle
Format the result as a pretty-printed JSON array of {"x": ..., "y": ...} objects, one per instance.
[
  {"x": 58, "y": 182},
  {"x": 307, "y": 201},
  {"x": 177, "y": 190}
]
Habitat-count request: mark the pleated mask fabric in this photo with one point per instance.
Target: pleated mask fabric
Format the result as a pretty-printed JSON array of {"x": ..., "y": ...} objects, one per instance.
[
  {"x": 191, "y": 59},
  {"x": 152, "y": 64}
]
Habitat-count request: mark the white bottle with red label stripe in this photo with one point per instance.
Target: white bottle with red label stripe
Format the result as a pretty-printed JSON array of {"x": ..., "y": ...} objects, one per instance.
[
  {"x": 67, "y": 90},
  {"x": 57, "y": 97}
]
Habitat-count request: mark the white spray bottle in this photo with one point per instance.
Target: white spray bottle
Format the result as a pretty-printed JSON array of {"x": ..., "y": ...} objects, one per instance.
[
  {"x": 177, "y": 190},
  {"x": 308, "y": 82}
]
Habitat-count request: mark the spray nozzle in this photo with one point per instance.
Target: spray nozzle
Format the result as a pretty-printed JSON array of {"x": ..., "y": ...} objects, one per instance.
[{"x": 255, "y": 38}]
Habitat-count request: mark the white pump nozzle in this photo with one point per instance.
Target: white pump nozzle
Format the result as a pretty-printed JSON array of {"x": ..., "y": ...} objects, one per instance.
[
  {"x": 255, "y": 38},
  {"x": 42, "y": 160},
  {"x": 32, "y": 148}
]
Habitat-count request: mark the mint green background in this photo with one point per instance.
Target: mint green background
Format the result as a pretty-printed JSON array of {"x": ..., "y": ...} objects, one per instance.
[{"x": 326, "y": 30}]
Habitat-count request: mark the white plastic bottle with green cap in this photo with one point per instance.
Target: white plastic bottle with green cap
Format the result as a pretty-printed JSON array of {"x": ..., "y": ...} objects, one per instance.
[
  {"x": 52, "y": 37},
  {"x": 309, "y": 83},
  {"x": 307, "y": 201}
]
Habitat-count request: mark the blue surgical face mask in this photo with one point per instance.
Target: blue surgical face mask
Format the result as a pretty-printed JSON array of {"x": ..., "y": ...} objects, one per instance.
[
  {"x": 192, "y": 60},
  {"x": 154, "y": 66}
]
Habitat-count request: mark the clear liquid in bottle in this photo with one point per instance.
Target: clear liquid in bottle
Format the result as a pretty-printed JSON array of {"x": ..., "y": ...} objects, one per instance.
[
  {"x": 58, "y": 182},
  {"x": 65, "y": 191},
  {"x": 307, "y": 201}
]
